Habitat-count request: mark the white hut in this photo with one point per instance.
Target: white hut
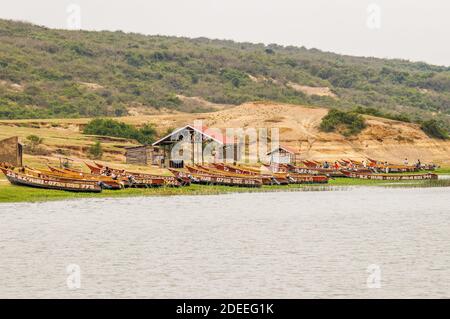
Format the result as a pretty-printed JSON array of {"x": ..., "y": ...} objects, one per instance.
[{"x": 282, "y": 155}]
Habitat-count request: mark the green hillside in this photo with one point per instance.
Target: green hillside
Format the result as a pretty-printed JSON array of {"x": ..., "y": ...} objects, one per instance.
[{"x": 58, "y": 73}]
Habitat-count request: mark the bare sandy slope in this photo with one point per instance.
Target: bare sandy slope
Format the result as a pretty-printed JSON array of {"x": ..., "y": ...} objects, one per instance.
[{"x": 383, "y": 139}]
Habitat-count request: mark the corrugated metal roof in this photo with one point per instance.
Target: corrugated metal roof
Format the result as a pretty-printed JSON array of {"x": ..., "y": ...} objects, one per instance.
[
  {"x": 213, "y": 134},
  {"x": 285, "y": 148}
]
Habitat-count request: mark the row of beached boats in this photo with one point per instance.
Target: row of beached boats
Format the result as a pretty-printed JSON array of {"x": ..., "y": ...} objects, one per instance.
[
  {"x": 102, "y": 177},
  {"x": 369, "y": 165},
  {"x": 78, "y": 181}
]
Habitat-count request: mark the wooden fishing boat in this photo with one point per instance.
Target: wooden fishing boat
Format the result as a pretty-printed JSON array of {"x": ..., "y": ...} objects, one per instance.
[
  {"x": 307, "y": 179},
  {"x": 104, "y": 184},
  {"x": 428, "y": 167},
  {"x": 199, "y": 169},
  {"x": 393, "y": 169},
  {"x": 234, "y": 169},
  {"x": 208, "y": 179},
  {"x": 6, "y": 165},
  {"x": 267, "y": 178},
  {"x": 229, "y": 171},
  {"x": 311, "y": 168},
  {"x": 94, "y": 169},
  {"x": 302, "y": 175},
  {"x": 374, "y": 161},
  {"x": 200, "y": 176},
  {"x": 141, "y": 182},
  {"x": 65, "y": 184},
  {"x": 330, "y": 172},
  {"x": 167, "y": 180},
  {"x": 301, "y": 170},
  {"x": 356, "y": 163},
  {"x": 327, "y": 172},
  {"x": 323, "y": 172},
  {"x": 390, "y": 177},
  {"x": 401, "y": 168},
  {"x": 310, "y": 164},
  {"x": 105, "y": 181},
  {"x": 380, "y": 166},
  {"x": 277, "y": 168}
]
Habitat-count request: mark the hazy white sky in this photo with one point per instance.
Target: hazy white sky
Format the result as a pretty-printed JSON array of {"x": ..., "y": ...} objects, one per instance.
[{"x": 417, "y": 30}]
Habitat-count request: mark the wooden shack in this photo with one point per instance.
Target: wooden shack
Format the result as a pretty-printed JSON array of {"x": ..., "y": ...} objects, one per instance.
[
  {"x": 138, "y": 155},
  {"x": 282, "y": 155},
  {"x": 11, "y": 151},
  {"x": 194, "y": 140},
  {"x": 143, "y": 155}
]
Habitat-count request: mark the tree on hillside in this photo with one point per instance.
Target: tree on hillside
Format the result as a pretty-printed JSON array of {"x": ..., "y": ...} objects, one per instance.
[
  {"x": 347, "y": 123},
  {"x": 33, "y": 145},
  {"x": 95, "y": 151},
  {"x": 34, "y": 140},
  {"x": 435, "y": 129}
]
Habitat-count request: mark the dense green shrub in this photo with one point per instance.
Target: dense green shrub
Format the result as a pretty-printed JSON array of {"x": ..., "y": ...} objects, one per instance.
[
  {"x": 435, "y": 129},
  {"x": 347, "y": 123},
  {"x": 146, "y": 135},
  {"x": 34, "y": 140},
  {"x": 236, "y": 77},
  {"x": 33, "y": 146},
  {"x": 108, "y": 127},
  {"x": 95, "y": 151},
  {"x": 374, "y": 112}
]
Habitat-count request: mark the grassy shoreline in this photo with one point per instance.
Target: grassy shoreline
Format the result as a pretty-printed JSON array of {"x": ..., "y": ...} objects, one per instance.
[{"x": 15, "y": 194}]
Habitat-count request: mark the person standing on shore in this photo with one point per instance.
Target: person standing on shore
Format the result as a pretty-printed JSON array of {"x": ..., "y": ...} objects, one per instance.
[{"x": 336, "y": 165}]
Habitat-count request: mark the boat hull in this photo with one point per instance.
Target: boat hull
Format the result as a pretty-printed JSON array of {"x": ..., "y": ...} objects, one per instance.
[
  {"x": 51, "y": 183},
  {"x": 267, "y": 179},
  {"x": 307, "y": 179},
  {"x": 105, "y": 182},
  {"x": 205, "y": 178},
  {"x": 171, "y": 181},
  {"x": 388, "y": 177}
]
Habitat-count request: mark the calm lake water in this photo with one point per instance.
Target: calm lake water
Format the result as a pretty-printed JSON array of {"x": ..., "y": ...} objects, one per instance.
[{"x": 268, "y": 245}]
